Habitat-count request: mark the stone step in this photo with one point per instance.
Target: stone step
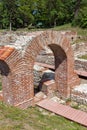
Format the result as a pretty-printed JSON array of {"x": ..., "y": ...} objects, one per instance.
[{"x": 39, "y": 96}]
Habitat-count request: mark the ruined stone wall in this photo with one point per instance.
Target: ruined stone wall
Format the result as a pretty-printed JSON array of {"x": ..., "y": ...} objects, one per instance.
[
  {"x": 81, "y": 98},
  {"x": 81, "y": 64},
  {"x": 79, "y": 94}
]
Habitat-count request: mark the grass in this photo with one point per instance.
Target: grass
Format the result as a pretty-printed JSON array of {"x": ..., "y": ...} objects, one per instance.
[
  {"x": 0, "y": 86},
  {"x": 82, "y": 33},
  {"x": 33, "y": 119},
  {"x": 66, "y": 27},
  {"x": 83, "y": 57}
]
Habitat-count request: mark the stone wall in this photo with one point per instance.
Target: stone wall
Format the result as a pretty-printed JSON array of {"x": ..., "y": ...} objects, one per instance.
[
  {"x": 79, "y": 94},
  {"x": 81, "y": 64}
]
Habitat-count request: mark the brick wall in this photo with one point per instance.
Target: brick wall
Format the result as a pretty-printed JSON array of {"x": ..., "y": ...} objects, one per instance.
[{"x": 18, "y": 87}]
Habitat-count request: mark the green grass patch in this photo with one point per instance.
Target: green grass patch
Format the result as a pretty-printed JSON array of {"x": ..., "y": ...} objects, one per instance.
[
  {"x": 82, "y": 33},
  {"x": 12, "y": 118},
  {"x": 0, "y": 86},
  {"x": 66, "y": 27},
  {"x": 83, "y": 57}
]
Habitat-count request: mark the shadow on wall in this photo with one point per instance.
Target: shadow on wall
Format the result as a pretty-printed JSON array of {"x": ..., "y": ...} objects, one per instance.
[
  {"x": 59, "y": 54},
  {"x": 4, "y": 68}
]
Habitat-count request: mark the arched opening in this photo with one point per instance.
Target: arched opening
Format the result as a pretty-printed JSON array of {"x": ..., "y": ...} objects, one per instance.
[
  {"x": 46, "y": 77},
  {"x": 60, "y": 69},
  {"x": 4, "y": 71},
  {"x": 43, "y": 73},
  {"x": 4, "y": 68}
]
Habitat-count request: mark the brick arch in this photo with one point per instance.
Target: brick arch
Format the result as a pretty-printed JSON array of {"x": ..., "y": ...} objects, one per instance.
[
  {"x": 4, "y": 71},
  {"x": 64, "y": 61},
  {"x": 9, "y": 57},
  {"x": 18, "y": 82}
]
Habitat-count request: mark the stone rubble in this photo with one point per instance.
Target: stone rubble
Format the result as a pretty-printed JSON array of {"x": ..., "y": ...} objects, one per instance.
[
  {"x": 17, "y": 41},
  {"x": 79, "y": 94},
  {"x": 56, "y": 99},
  {"x": 82, "y": 88},
  {"x": 79, "y": 49}
]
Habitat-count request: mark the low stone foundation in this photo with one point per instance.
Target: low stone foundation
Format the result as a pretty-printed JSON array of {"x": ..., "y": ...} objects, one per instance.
[
  {"x": 79, "y": 94},
  {"x": 81, "y": 64}
]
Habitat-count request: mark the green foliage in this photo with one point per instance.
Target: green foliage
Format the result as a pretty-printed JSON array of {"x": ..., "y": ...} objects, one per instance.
[
  {"x": 80, "y": 18},
  {"x": 0, "y": 86},
  {"x": 83, "y": 57},
  {"x": 23, "y": 13},
  {"x": 83, "y": 18}
]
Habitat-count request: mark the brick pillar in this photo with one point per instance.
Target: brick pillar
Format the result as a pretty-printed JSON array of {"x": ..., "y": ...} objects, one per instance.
[
  {"x": 18, "y": 89},
  {"x": 61, "y": 78},
  {"x": 22, "y": 88},
  {"x": 7, "y": 89}
]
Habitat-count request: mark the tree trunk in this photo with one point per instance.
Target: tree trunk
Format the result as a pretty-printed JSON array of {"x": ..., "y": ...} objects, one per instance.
[
  {"x": 77, "y": 7},
  {"x": 10, "y": 26},
  {"x": 55, "y": 22}
]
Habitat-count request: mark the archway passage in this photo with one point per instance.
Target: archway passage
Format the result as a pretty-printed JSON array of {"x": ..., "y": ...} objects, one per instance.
[
  {"x": 60, "y": 69},
  {"x": 5, "y": 74},
  {"x": 4, "y": 68},
  {"x": 21, "y": 61},
  {"x": 44, "y": 77}
]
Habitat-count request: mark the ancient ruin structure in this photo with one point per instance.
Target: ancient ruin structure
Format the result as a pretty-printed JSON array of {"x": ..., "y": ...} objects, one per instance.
[{"x": 17, "y": 62}]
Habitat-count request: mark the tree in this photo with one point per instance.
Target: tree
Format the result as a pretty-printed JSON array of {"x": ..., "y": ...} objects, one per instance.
[
  {"x": 55, "y": 9},
  {"x": 40, "y": 12},
  {"x": 80, "y": 13},
  {"x": 47, "y": 13},
  {"x": 25, "y": 11},
  {"x": 1, "y": 14},
  {"x": 77, "y": 8},
  {"x": 11, "y": 8}
]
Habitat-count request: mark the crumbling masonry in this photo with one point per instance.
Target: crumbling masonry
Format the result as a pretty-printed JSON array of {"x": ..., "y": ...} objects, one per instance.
[{"x": 17, "y": 62}]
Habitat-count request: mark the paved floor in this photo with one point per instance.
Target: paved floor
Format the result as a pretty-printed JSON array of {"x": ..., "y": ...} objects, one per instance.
[{"x": 65, "y": 111}]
